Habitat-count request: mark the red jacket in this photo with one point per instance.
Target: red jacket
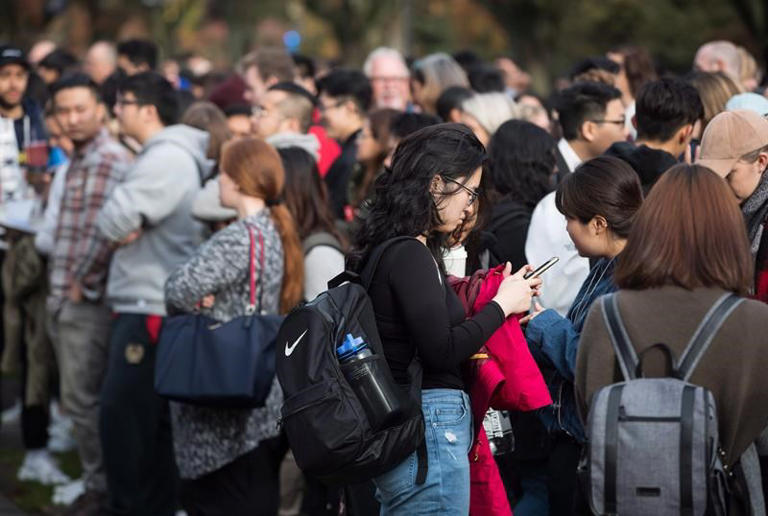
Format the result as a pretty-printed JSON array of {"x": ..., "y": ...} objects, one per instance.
[{"x": 508, "y": 379}]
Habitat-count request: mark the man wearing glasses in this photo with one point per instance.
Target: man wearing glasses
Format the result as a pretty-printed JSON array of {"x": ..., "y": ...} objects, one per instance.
[
  {"x": 345, "y": 96},
  {"x": 389, "y": 76},
  {"x": 148, "y": 216}
]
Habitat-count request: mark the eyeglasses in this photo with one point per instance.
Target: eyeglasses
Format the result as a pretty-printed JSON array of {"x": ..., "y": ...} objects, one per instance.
[
  {"x": 127, "y": 102},
  {"x": 321, "y": 107},
  {"x": 621, "y": 121},
  {"x": 473, "y": 194},
  {"x": 259, "y": 111}
]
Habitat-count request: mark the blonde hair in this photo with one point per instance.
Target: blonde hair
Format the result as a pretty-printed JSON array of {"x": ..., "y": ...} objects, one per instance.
[
  {"x": 491, "y": 110},
  {"x": 437, "y": 72},
  {"x": 715, "y": 89},
  {"x": 749, "y": 73}
]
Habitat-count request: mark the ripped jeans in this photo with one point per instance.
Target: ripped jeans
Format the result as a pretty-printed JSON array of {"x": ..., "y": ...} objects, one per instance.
[{"x": 448, "y": 435}]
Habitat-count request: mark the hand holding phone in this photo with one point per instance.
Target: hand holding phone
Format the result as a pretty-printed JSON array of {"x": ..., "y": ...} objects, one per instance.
[{"x": 541, "y": 269}]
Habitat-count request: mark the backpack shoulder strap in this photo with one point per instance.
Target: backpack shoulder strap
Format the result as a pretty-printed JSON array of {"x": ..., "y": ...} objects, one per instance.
[
  {"x": 625, "y": 353},
  {"x": 318, "y": 239},
  {"x": 366, "y": 275},
  {"x": 706, "y": 331}
]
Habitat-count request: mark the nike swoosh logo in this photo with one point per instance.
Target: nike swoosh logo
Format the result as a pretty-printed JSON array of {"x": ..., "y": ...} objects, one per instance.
[{"x": 289, "y": 349}]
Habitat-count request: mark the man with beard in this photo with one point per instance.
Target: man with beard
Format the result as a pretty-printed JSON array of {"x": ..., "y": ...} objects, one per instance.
[{"x": 22, "y": 129}]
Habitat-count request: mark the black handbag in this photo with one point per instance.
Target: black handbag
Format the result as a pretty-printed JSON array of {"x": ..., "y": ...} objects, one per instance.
[{"x": 204, "y": 362}]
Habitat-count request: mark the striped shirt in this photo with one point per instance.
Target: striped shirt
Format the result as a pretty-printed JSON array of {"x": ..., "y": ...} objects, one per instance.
[{"x": 94, "y": 171}]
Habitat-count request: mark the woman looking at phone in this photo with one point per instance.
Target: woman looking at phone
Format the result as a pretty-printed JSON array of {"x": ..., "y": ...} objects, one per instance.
[
  {"x": 430, "y": 190},
  {"x": 599, "y": 201}
]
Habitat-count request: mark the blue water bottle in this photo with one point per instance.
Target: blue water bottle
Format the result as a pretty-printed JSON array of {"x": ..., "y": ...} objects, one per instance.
[{"x": 372, "y": 382}]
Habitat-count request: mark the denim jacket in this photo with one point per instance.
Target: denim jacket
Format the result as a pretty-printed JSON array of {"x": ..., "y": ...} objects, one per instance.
[{"x": 554, "y": 343}]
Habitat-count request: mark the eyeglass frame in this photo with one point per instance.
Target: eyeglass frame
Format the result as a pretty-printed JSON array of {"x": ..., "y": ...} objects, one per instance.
[
  {"x": 473, "y": 194},
  {"x": 125, "y": 102},
  {"x": 604, "y": 121}
]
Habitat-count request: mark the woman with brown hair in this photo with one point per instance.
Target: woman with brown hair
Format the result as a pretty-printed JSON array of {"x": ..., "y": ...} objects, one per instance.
[
  {"x": 372, "y": 148},
  {"x": 715, "y": 89},
  {"x": 229, "y": 459},
  {"x": 687, "y": 248}
]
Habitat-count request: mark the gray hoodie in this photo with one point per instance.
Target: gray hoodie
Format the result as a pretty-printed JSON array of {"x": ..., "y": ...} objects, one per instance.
[{"x": 156, "y": 197}]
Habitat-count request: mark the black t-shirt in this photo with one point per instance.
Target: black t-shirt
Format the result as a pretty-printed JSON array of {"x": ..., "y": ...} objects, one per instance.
[{"x": 417, "y": 311}]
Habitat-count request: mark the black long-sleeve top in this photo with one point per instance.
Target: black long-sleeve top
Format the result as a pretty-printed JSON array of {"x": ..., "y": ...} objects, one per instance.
[{"x": 417, "y": 311}]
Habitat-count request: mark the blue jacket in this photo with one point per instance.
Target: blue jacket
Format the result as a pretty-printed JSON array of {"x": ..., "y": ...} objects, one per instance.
[
  {"x": 554, "y": 343},
  {"x": 31, "y": 127}
]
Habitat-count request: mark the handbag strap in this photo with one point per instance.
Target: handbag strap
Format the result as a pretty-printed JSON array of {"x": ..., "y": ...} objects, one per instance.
[{"x": 252, "y": 271}]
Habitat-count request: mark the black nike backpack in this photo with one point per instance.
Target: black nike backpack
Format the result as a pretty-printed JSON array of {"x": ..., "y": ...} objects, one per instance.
[{"x": 326, "y": 426}]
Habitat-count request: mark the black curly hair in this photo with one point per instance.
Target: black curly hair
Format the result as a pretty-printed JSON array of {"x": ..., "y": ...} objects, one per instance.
[
  {"x": 402, "y": 203},
  {"x": 521, "y": 163}
]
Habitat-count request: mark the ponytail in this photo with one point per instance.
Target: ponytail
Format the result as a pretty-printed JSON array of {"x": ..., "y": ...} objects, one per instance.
[
  {"x": 293, "y": 258},
  {"x": 256, "y": 168}
]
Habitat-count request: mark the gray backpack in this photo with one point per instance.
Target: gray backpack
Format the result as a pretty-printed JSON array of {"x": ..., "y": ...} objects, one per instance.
[{"x": 653, "y": 442}]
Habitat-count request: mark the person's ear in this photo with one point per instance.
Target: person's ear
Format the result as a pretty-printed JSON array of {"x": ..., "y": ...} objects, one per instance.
[
  {"x": 351, "y": 107},
  {"x": 762, "y": 161},
  {"x": 101, "y": 112},
  {"x": 271, "y": 81},
  {"x": 684, "y": 134},
  {"x": 292, "y": 125},
  {"x": 434, "y": 186},
  {"x": 150, "y": 112},
  {"x": 587, "y": 130},
  {"x": 598, "y": 224}
]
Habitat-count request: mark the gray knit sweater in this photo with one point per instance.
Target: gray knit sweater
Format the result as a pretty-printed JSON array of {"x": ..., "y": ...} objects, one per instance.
[{"x": 205, "y": 439}]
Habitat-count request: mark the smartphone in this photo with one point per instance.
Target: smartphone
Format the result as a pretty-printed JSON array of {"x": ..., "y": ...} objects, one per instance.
[{"x": 541, "y": 269}]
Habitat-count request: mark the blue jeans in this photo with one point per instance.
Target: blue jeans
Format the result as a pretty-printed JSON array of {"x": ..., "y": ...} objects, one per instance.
[{"x": 448, "y": 436}]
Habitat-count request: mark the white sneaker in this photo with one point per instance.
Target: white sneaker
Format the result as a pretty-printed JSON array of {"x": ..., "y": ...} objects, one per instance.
[
  {"x": 66, "y": 494},
  {"x": 40, "y": 466},
  {"x": 12, "y": 413},
  {"x": 60, "y": 435}
]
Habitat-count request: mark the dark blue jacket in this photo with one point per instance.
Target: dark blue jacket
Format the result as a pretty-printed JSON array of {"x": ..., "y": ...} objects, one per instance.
[
  {"x": 31, "y": 127},
  {"x": 554, "y": 343}
]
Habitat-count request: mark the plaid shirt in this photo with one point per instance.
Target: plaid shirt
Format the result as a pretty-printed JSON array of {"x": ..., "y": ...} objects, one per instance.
[{"x": 94, "y": 171}]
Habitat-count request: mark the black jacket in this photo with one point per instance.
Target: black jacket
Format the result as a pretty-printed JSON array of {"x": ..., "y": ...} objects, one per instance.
[
  {"x": 504, "y": 237},
  {"x": 337, "y": 179},
  {"x": 648, "y": 163}
]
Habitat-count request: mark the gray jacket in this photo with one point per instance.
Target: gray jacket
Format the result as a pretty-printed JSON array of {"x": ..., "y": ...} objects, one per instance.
[
  {"x": 156, "y": 197},
  {"x": 207, "y": 438}
]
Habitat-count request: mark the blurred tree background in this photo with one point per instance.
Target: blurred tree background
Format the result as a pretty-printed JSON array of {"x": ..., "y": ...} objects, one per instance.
[{"x": 544, "y": 36}]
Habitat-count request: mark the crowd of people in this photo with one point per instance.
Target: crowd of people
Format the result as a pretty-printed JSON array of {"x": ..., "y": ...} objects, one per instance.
[{"x": 131, "y": 190}]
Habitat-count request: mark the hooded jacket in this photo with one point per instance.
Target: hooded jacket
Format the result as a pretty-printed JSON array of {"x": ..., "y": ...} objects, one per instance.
[{"x": 156, "y": 198}]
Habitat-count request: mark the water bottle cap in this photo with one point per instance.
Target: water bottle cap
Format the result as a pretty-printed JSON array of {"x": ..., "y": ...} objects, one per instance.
[{"x": 350, "y": 346}]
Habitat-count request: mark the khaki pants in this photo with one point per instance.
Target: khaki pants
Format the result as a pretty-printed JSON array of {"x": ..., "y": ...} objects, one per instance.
[{"x": 80, "y": 333}]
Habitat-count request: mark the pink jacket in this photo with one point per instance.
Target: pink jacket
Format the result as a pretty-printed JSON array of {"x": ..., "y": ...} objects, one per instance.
[{"x": 507, "y": 379}]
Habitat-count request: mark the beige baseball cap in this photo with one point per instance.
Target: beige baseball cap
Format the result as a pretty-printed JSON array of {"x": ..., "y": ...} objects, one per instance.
[{"x": 729, "y": 136}]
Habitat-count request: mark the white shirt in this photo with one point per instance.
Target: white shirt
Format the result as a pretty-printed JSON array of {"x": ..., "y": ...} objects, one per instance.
[
  {"x": 46, "y": 235},
  {"x": 12, "y": 183},
  {"x": 547, "y": 237},
  {"x": 321, "y": 264},
  {"x": 569, "y": 155}
]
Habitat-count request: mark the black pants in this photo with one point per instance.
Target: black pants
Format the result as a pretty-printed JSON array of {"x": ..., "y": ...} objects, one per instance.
[
  {"x": 135, "y": 426},
  {"x": 34, "y": 418},
  {"x": 247, "y": 486}
]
